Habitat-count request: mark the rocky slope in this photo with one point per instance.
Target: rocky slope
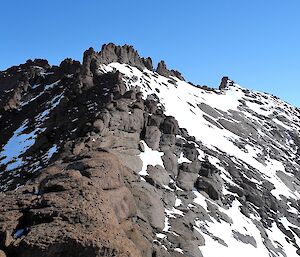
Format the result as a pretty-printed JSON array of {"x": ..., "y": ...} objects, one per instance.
[{"x": 111, "y": 157}]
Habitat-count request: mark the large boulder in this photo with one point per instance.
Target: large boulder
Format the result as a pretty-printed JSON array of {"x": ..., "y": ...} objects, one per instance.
[
  {"x": 122, "y": 120},
  {"x": 148, "y": 200},
  {"x": 186, "y": 180},
  {"x": 190, "y": 152},
  {"x": 167, "y": 142},
  {"x": 170, "y": 161},
  {"x": 207, "y": 169},
  {"x": 152, "y": 137},
  {"x": 208, "y": 186},
  {"x": 170, "y": 126},
  {"x": 136, "y": 120},
  {"x": 155, "y": 120},
  {"x": 69, "y": 66},
  {"x": 193, "y": 167},
  {"x": 158, "y": 175}
]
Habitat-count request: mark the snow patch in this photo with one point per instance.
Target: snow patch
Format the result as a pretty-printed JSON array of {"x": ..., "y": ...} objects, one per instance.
[{"x": 150, "y": 157}]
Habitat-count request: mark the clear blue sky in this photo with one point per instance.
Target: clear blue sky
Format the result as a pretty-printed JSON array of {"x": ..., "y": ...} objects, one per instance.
[{"x": 254, "y": 42}]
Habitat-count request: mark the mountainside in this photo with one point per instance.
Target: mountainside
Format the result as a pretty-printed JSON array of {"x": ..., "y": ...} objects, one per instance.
[{"x": 111, "y": 157}]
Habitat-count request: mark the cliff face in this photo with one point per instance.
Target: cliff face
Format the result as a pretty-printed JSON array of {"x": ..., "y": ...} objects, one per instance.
[{"x": 113, "y": 158}]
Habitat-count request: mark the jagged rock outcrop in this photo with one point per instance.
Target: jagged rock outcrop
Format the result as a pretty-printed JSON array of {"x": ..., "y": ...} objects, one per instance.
[
  {"x": 225, "y": 83},
  {"x": 163, "y": 70},
  {"x": 123, "y": 54}
]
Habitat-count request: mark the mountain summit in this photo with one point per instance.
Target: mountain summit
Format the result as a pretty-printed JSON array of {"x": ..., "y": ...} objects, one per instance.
[{"x": 114, "y": 158}]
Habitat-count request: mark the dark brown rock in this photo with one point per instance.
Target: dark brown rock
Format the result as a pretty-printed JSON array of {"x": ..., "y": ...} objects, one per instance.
[
  {"x": 123, "y": 54},
  {"x": 167, "y": 142},
  {"x": 158, "y": 175},
  {"x": 186, "y": 180},
  {"x": 162, "y": 69},
  {"x": 170, "y": 126},
  {"x": 170, "y": 162},
  {"x": 69, "y": 66},
  {"x": 148, "y": 200},
  {"x": 152, "y": 137},
  {"x": 208, "y": 186},
  {"x": 223, "y": 84},
  {"x": 72, "y": 214}
]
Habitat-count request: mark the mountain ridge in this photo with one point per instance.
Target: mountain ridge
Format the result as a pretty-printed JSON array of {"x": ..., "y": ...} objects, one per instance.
[{"x": 162, "y": 166}]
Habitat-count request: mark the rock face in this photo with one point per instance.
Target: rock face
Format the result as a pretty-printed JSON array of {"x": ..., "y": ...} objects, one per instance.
[
  {"x": 109, "y": 157},
  {"x": 71, "y": 213}
]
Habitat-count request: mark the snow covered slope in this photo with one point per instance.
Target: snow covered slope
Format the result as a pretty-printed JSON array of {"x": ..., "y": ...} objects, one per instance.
[
  {"x": 213, "y": 171},
  {"x": 258, "y": 133}
]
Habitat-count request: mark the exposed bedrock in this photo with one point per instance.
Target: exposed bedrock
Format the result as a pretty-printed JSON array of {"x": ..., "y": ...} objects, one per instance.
[
  {"x": 111, "y": 173},
  {"x": 78, "y": 208}
]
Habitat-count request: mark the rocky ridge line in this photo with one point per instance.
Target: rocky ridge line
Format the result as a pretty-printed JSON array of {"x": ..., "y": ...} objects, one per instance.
[{"x": 92, "y": 187}]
